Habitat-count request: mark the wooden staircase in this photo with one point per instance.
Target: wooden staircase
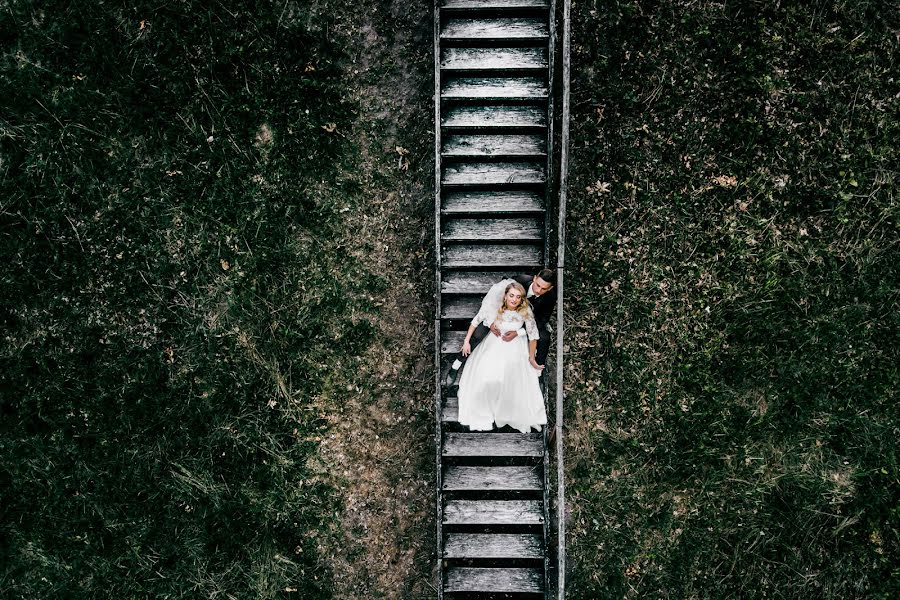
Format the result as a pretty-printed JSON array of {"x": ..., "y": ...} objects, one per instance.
[{"x": 493, "y": 159}]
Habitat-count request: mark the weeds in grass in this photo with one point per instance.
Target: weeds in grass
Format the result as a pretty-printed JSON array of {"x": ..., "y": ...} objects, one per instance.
[
  {"x": 733, "y": 301},
  {"x": 184, "y": 289}
]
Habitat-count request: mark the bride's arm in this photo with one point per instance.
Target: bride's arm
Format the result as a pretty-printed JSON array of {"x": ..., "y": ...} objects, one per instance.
[{"x": 532, "y": 349}]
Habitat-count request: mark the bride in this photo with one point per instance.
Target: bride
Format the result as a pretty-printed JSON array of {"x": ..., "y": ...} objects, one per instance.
[{"x": 499, "y": 383}]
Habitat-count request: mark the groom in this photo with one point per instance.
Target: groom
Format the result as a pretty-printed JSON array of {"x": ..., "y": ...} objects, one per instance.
[{"x": 542, "y": 296}]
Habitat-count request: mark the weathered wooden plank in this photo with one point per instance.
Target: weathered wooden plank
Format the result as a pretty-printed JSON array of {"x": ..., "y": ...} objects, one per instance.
[
  {"x": 496, "y": 580},
  {"x": 472, "y": 282},
  {"x": 494, "y": 29},
  {"x": 487, "y": 479},
  {"x": 483, "y": 256},
  {"x": 460, "y": 307},
  {"x": 493, "y": 174},
  {"x": 519, "y": 230},
  {"x": 495, "y": 202},
  {"x": 451, "y": 341},
  {"x": 494, "y": 146},
  {"x": 493, "y": 59},
  {"x": 496, "y": 445},
  {"x": 523, "y": 546},
  {"x": 493, "y": 512},
  {"x": 494, "y": 88},
  {"x": 450, "y": 411},
  {"x": 494, "y": 117},
  {"x": 493, "y": 4}
]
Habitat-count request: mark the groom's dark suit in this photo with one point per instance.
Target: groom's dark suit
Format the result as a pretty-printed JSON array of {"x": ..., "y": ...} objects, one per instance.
[{"x": 542, "y": 306}]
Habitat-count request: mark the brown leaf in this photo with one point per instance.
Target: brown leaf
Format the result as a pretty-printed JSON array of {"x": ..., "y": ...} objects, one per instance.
[
  {"x": 725, "y": 180},
  {"x": 330, "y": 127}
]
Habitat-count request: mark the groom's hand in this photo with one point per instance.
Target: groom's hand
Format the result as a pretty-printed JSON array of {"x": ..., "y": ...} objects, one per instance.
[
  {"x": 510, "y": 336},
  {"x": 495, "y": 330}
]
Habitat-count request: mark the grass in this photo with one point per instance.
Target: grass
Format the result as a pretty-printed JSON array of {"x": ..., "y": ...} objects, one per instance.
[
  {"x": 190, "y": 300},
  {"x": 733, "y": 296},
  {"x": 217, "y": 223}
]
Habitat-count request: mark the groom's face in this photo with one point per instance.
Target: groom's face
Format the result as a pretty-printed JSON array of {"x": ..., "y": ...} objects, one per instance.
[{"x": 540, "y": 286}]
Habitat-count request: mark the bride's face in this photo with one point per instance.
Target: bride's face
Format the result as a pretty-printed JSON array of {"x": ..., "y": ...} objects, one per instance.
[{"x": 513, "y": 298}]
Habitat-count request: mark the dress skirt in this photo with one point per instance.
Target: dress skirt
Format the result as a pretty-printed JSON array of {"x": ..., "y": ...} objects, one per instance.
[{"x": 499, "y": 385}]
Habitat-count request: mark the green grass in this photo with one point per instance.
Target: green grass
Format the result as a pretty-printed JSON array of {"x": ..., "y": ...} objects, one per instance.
[
  {"x": 212, "y": 304},
  {"x": 733, "y": 296},
  {"x": 186, "y": 296}
]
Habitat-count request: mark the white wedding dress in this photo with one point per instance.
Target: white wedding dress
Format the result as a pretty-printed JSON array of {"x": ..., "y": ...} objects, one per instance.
[{"x": 498, "y": 384}]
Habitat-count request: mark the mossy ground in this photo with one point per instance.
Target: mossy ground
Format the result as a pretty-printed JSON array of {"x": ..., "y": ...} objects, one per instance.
[
  {"x": 732, "y": 300},
  {"x": 216, "y": 366},
  {"x": 214, "y": 300}
]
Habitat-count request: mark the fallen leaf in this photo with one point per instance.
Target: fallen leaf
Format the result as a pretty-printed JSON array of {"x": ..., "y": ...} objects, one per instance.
[
  {"x": 725, "y": 180},
  {"x": 401, "y": 150},
  {"x": 225, "y": 264},
  {"x": 330, "y": 127}
]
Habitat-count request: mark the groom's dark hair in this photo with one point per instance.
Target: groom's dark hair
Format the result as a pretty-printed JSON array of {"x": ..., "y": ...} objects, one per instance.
[{"x": 548, "y": 275}]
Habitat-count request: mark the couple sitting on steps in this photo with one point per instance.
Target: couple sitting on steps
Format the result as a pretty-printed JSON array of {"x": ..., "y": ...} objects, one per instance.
[{"x": 500, "y": 383}]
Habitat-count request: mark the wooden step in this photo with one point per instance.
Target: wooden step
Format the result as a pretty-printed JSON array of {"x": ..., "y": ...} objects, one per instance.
[
  {"x": 451, "y": 341},
  {"x": 494, "y": 59},
  {"x": 493, "y": 174},
  {"x": 494, "y": 202},
  {"x": 494, "y": 117},
  {"x": 474, "y": 580},
  {"x": 494, "y": 88},
  {"x": 472, "y": 282},
  {"x": 511, "y": 5},
  {"x": 489, "y": 479},
  {"x": 494, "y": 146},
  {"x": 493, "y": 513},
  {"x": 511, "y": 546},
  {"x": 493, "y": 445},
  {"x": 495, "y": 29},
  {"x": 481, "y": 256},
  {"x": 508, "y": 230},
  {"x": 460, "y": 307},
  {"x": 450, "y": 411}
]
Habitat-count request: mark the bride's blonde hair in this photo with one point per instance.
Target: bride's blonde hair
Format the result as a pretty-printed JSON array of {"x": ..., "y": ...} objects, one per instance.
[{"x": 524, "y": 307}]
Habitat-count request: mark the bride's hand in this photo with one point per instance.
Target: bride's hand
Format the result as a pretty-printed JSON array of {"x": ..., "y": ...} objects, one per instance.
[
  {"x": 534, "y": 364},
  {"x": 466, "y": 348},
  {"x": 495, "y": 330}
]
